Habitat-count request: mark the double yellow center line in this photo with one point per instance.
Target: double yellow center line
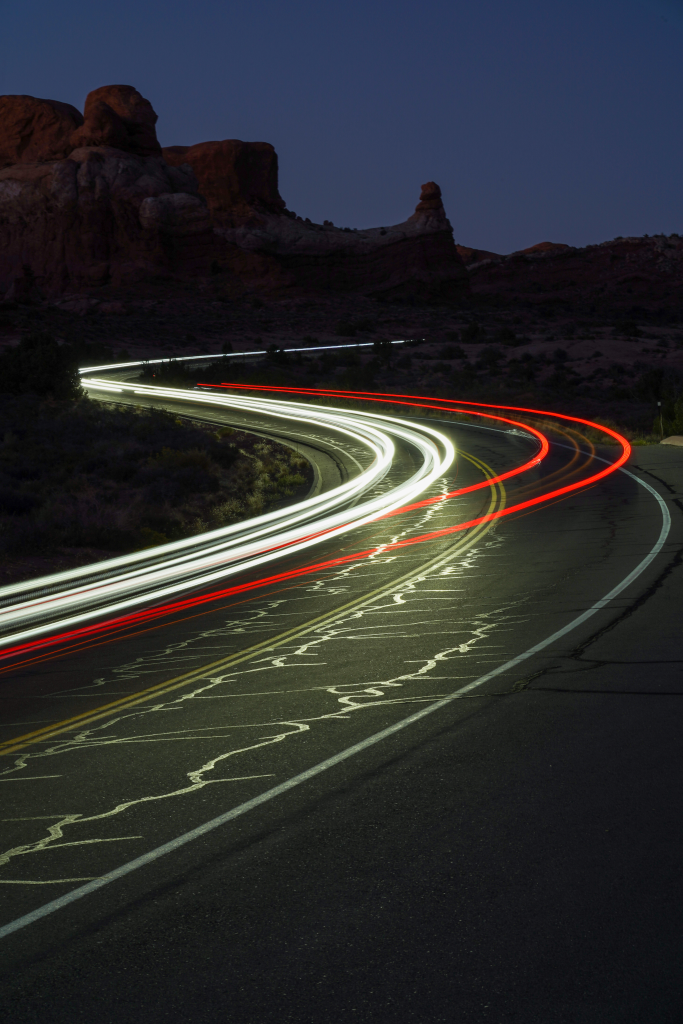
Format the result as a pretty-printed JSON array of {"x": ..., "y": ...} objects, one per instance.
[{"x": 12, "y": 746}]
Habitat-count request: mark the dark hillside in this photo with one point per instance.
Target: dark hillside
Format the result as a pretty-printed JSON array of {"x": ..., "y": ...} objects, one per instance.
[{"x": 80, "y": 481}]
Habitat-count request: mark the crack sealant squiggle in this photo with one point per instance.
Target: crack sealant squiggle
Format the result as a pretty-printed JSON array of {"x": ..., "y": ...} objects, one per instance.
[{"x": 350, "y": 699}]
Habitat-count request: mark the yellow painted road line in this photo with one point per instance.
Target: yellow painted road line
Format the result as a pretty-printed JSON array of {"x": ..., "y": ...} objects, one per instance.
[{"x": 223, "y": 664}]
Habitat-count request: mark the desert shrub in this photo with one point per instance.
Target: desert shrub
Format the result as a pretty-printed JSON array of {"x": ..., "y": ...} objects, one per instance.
[
  {"x": 345, "y": 329},
  {"x": 171, "y": 374},
  {"x": 177, "y": 374},
  {"x": 658, "y": 384},
  {"x": 472, "y": 332},
  {"x": 39, "y": 365},
  {"x": 82, "y": 474},
  {"x": 276, "y": 355},
  {"x": 490, "y": 357},
  {"x": 365, "y": 324},
  {"x": 360, "y": 378},
  {"x": 672, "y": 417},
  {"x": 383, "y": 351},
  {"x": 229, "y": 511},
  {"x": 350, "y": 328},
  {"x": 348, "y": 356},
  {"x": 506, "y": 336},
  {"x": 628, "y": 329}
]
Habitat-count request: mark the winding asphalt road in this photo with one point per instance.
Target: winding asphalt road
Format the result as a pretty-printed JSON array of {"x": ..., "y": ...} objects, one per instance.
[{"x": 513, "y": 855}]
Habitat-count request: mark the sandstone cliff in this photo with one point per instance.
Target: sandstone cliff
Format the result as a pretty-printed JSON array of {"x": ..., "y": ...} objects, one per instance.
[
  {"x": 239, "y": 180},
  {"x": 88, "y": 200},
  {"x": 415, "y": 258}
]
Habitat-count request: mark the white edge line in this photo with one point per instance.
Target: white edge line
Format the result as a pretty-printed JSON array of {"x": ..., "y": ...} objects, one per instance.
[
  {"x": 231, "y": 355},
  {"x": 357, "y": 748}
]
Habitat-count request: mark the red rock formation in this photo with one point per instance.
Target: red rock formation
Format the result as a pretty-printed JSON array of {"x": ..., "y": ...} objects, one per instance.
[
  {"x": 33, "y": 130},
  {"x": 470, "y": 255},
  {"x": 237, "y": 179},
  {"x": 626, "y": 274},
  {"x": 118, "y": 116},
  {"x": 543, "y": 247},
  {"x": 415, "y": 258},
  {"x": 84, "y": 202},
  {"x": 111, "y": 211},
  {"x": 83, "y": 221},
  {"x": 430, "y": 199},
  {"x": 240, "y": 184}
]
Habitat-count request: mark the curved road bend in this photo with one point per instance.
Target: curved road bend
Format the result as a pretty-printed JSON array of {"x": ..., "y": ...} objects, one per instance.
[{"x": 513, "y": 856}]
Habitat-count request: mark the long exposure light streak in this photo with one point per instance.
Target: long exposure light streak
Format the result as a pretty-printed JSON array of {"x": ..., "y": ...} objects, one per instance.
[
  {"x": 129, "y": 590},
  {"x": 68, "y": 599},
  {"x": 473, "y": 409},
  {"x": 228, "y": 356}
]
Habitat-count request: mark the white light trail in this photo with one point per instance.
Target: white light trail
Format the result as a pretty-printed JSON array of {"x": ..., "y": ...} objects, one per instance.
[
  {"x": 63, "y": 600},
  {"x": 230, "y": 355}
]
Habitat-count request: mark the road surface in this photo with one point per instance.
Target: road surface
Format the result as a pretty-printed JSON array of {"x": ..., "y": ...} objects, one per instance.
[{"x": 511, "y": 856}]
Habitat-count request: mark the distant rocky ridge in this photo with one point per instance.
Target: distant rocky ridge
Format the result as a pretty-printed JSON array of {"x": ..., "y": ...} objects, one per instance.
[
  {"x": 625, "y": 273},
  {"x": 90, "y": 200},
  {"x": 472, "y": 257}
]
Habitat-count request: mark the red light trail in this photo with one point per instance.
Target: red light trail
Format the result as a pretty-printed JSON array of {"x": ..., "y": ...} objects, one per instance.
[{"x": 415, "y": 401}]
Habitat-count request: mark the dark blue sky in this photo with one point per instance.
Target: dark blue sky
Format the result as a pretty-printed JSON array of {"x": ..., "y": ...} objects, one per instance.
[{"x": 540, "y": 119}]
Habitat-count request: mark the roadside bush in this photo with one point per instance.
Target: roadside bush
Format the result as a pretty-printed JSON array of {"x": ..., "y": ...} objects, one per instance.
[
  {"x": 360, "y": 378},
  {"x": 84, "y": 475},
  {"x": 345, "y": 329},
  {"x": 350, "y": 328},
  {"x": 472, "y": 332},
  {"x": 39, "y": 365},
  {"x": 276, "y": 355},
  {"x": 490, "y": 358},
  {"x": 628, "y": 329},
  {"x": 506, "y": 336},
  {"x": 383, "y": 351},
  {"x": 672, "y": 417}
]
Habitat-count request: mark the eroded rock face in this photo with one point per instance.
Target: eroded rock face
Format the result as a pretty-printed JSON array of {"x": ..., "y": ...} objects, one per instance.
[
  {"x": 238, "y": 179},
  {"x": 86, "y": 201},
  {"x": 175, "y": 213},
  {"x": 626, "y": 274},
  {"x": 80, "y": 221},
  {"x": 118, "y": 116},
  {"x": 470, "y": 255},
  {"x": 34, "y": 131},
  {"x": 417, "y": 257},
  {"x": 430, "y": 199}
]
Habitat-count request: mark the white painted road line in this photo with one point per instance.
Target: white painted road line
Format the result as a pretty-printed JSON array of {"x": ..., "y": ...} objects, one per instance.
[{"x": 357, "y": 748}]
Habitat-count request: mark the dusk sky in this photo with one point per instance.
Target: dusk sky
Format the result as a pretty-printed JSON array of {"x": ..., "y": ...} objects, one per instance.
[{"x": 541, "y": 120}]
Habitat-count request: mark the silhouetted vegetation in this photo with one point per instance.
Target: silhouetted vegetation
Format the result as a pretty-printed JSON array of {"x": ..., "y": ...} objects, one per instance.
[
  {"x": 39, "y": 365},
  {"x": 350, "y": 328},
  {"x": 472, "y": 332},
  {"x": 177, "y": 374},
  {"x": 85, "y": 475}
]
